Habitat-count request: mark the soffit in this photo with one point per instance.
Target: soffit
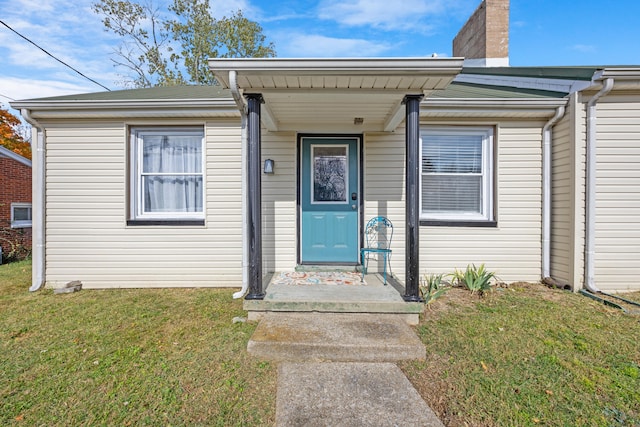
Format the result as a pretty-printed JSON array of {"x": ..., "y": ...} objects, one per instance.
[{"x": 329, "y": 94}]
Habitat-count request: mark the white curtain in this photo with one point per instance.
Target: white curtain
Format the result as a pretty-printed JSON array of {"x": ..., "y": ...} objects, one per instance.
[{"x": 172, "y": 173}]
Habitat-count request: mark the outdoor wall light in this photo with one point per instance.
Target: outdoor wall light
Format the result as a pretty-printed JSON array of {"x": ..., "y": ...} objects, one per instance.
[{"x": 268, "y": 166}]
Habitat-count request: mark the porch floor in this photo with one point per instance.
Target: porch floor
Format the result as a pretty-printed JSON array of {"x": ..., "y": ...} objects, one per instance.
[{"x": 374, "y": 297}]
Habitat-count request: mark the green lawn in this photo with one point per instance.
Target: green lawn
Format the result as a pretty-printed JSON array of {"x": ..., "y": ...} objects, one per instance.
[
  {"x": 521, "y": 356},
  {"x": 528, "y": 355},
  {"x": 127, "y": 357}
]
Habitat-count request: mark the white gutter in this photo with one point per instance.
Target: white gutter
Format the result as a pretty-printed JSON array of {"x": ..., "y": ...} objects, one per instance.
[
  {"x": 546, "y": 191},
  {"x": 37, "y": 203},
  {"x": 237, "y": 97},
  {"x": 590, "y": 208}
]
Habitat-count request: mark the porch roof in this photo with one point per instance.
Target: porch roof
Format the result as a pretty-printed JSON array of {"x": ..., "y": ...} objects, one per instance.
[{"x": 345, "y": 94}]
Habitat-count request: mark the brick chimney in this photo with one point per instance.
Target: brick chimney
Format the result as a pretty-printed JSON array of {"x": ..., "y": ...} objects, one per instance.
[{"x": 484, "y": 40}]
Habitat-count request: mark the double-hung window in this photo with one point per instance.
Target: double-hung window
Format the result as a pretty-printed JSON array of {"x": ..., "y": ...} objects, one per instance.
[
  {"x": 457, "y": 174},
  {"x": 167, "y": 173},
  {"x": 20, "y": 215}
]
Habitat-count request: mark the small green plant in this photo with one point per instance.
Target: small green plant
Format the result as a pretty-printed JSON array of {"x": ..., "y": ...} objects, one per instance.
[
  {"x": 432, "y": 287},
  {"x": 476, "y": 279}
]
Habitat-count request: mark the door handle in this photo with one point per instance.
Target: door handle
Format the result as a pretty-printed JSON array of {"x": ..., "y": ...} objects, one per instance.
[
  {"x": 354, "y": 207},
  {"x": 354, "y": 196}
]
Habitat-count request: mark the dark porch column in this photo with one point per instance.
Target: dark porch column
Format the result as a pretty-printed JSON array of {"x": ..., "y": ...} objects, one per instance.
[
  {"x": 254, "y": 188},
  {"x": 412, "y": 209}
]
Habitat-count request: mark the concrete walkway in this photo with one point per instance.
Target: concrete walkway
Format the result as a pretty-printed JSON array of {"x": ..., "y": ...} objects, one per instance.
[
  {"x": 337, "y": 370},
  {"x": 348, "y": 394}
]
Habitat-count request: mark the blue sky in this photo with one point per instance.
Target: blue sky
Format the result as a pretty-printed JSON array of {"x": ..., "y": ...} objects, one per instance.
[{"x": 542, "y": 32}]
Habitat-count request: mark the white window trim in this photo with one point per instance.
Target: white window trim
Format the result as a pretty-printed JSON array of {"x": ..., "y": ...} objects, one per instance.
[
  {"x": 21, "y": 223},
  {"x": 136, "y": 193},
  {"x": 488, "y": 169}
]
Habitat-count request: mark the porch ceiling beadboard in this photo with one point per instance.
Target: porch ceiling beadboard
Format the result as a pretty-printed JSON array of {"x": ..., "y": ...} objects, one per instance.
[{"x": 312, "y": 94}]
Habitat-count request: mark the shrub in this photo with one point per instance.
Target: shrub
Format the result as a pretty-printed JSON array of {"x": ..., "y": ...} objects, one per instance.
[
  {"x": 476, "y": 279},
  {"x": 14, "y": 246}
]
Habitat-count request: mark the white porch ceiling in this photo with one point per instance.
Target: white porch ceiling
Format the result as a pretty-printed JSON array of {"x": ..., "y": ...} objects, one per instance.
[{"x": 327, "y": 95}]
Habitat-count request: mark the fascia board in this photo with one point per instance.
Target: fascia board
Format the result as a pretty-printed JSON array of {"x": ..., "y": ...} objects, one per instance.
[
  {"x": 332, "y": 67},
  {"x": 120, "y": 104},
  {"x": 630, "y": 73},
  {"x": 182, "y": 113},
  {"x": 318, "y": 66},
  {"x": 128, "y": 109},
  {"x": 624, "y": 78}
]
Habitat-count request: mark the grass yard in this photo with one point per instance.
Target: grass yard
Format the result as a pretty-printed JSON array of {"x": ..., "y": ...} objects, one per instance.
[
  {"x": 527, "y": 355},
  {"x": 524, "y": 355},
  {"x": 127, "y": 357}
]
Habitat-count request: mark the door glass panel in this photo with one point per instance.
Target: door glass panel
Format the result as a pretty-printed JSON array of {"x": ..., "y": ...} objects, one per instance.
[{"x": 330, "y": 173}]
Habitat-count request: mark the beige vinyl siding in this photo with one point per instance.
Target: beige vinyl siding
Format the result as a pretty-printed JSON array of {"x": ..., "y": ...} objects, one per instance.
[
  {"x": 86, "y": 212},
  {"x": 567, "y": 205},
  {"x": 513, "y": 248},
  {"x": 384, "y": 190},
  {"x": 279, "y": 202},
  {"x": 617, "y": 247}
]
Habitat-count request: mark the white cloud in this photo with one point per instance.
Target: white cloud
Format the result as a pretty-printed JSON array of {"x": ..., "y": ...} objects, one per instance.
[
  {"x": 384, "y": 14},
  {"x": 65, "y": 33},
  {"x": 318, "y": 46},
  {"x": 27, "y": 88},
  {"x": 226, "y": 8},
  {"x": 71, "y": 32},
  {"x": 34, "y": 5},
  {"x": 584, "y": 48}
]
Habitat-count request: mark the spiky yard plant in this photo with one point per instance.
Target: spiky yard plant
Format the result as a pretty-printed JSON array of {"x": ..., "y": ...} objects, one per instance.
[
  {"x": 432, "y": 287},
  {"x": 476, "y": 279}
]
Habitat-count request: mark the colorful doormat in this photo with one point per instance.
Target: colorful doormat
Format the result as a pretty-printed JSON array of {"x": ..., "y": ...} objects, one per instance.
[{"x": 318, "y": 278}]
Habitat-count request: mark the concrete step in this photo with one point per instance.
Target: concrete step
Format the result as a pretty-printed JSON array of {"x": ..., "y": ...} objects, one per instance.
[
  {"x": 336, "y": 337},
  {"x": 372, "y": 298},
  {"x": 410, "y": 311}
]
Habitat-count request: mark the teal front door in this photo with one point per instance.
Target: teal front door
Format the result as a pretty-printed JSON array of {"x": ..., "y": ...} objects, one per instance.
[{"x": 329, "y": 200}]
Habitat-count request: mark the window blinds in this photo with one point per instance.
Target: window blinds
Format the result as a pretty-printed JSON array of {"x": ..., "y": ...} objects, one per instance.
[{"x": 452, "y": 173}]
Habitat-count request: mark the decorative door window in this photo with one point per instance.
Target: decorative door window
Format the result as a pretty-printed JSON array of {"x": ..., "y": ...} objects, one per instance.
[{"x": 330, "y": 168}]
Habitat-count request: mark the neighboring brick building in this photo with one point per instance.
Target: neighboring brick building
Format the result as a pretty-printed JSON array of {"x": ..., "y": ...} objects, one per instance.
[{"x": 15, "y": 204}]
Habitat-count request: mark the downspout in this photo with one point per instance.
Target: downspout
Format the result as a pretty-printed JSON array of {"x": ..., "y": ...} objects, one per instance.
[
  {"x": 237, "y": 97},
  {"x": 38, "y": 199},
  {"x": 546, "y": 191},
  {"x": 590, "y": 190}
]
